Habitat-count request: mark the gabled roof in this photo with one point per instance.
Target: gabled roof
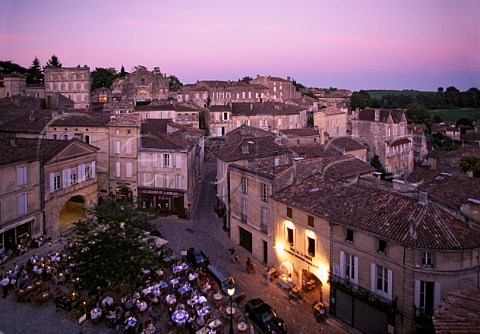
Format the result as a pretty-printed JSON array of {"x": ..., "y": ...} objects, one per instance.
[
  {"x": 132, "y": 119},
  {"x": 345, "y": 167},
  {"x": 152, "y": 139},
  {"x": 384, "y": 214},
  {"x": 246, "y": 131},
  {"x": 345, "y": 144},
  {"x": 100, "y": 119},
  {"x": 16, "y": 150},
  {"x": 258, "y": 147},
  {"x": 316, "y": 150},
  {"x": 329, "y": 111},
  {"x": 396, "y": 115}
]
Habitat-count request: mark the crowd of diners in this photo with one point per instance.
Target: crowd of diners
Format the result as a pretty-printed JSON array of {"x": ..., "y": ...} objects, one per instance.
[{"x": 171, "y": 296}]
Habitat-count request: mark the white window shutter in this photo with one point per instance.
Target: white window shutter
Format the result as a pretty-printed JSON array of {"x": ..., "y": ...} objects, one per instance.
[
  {"x": 373, "y": 277},
  {"x": 437, "y": 295},
  {"x": 129, "y": 169},
  {"x": 79, "y": 173},
  {"x": 128, "y": 147},
  {"x": 178, "y": 161},
  {"x": 158, "y": 181},
  {"x": 417, "y": 293},
  {"x": 162, "y": 159},
  {"x": 69, "y": 175},
  {"x": 355, "y": 270},
  {"x": 117, "y": 169},
  {"x": 19, "y": 176},
  {"x": 342, "y": 264},
  {"x": 117, "y": 147},
  {"x": 154, "y": 160},
  {"x": 52, "y": 182},
  {"x": 64, "y": 178},
  {"x": 93, "y": 169},
  {"x": 390, "y": 284}
]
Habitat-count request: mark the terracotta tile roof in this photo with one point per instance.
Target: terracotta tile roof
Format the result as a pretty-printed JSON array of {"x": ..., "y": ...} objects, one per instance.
[
  {"x": 155, "y": 124},
  {"x": 269, "y": 171},
  {"x": 258, "y": 147},
  {"x": 217, "y": 108},
  {"x": 333, "y": 111},
  {"x": 303, "y": 132},
  {"x": 132, "y": 119},
  {"x": 345, "y": 144},
  {"x": 459, "y": 312},
  {"x": 15, "y": 150},
  {"x": 422, "y": 175},
  {"x": 155, "y": 134},
  {"x": 453, "y": 191},
  {"x": 264, "y": 108},
  {"x": 313, "y": 151},
  {"x": 345, "y": 167},
  {"x": 244, "y": 130},
  {"x": 152, "y": 139},
  {"x": 387, "y": 215},
  {"x": 368, "y": 114},
  {"x": 399, "y": 141},
  {"x": 28, "y": 124},
  {"x": 99, "y": 119}
]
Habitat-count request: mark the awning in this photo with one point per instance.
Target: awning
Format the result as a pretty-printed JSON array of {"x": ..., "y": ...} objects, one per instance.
[
  {"x": 16, "y": 224},
  {"x": 159, "y": 242},
  {"x": 286, "y": 267}
]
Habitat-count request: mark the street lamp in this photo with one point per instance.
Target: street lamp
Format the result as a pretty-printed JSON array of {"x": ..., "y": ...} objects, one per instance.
[{"x": 231, "y": 291}]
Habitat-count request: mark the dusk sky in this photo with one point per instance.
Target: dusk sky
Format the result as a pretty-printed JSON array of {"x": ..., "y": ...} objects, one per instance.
[{"x": 357, "y": 44}]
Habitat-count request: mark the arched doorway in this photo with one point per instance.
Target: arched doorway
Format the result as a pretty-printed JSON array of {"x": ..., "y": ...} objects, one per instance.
[
  {"x": 124, "y": 193},
  {"x": 312, "y": 284},
  {"x": 72, "y": 211}
]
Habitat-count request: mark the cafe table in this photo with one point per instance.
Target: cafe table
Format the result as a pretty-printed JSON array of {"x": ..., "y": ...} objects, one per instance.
[
  {"x": 131, "y": 321},
  {"x": 141, "y": 305},
  {"x": 214, "y": 324},
  {"x": 170, "y": 299},
  {"x": 180, "y": 316},
  {"x": 242, "y": 327},
  {"x": 204, "y": 310},
  {"x": 217, "y": 296}
]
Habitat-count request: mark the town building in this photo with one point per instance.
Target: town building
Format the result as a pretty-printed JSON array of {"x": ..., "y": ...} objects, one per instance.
[
  {"x": 279, "y": 89},
  {"x": 48, "y": 184},
  {"x": 72, "y": 82},
  {"x": 331, "y": 122},
  {"x": 12, "y": 84},
  {"x": 140, "y": 85},
  {"x": 376, "y": 254},
  {"x": 419, "y": 141},
  {"x": 177, "y": 112},
  {"x": 300, "y": 137},
  {"x": 385, "y": 133},
  {"x": 269, "y": 116}
]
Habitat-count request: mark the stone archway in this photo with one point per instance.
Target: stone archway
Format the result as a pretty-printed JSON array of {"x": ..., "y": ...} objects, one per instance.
[
  {"x": 124, "y": 193},
  {"x": 72, "y": 211}
]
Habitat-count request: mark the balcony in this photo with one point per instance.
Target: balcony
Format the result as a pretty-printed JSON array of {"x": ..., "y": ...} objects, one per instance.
[{"x": 369, "y": 297}]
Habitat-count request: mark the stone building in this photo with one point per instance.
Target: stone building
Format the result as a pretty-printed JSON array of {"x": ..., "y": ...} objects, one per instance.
[
  {"x": 376, "y": 254},
  {"x": 300, "y": 137},
  {"x": 170, "y": 164},
  {"x": 331, "y": 122},
  {"x": 12, "y": 84},
  {"x": 218, "y": 92},
  {"x": 270, "y": 116},
  {"x": 48, "y": 184},
  {"x": 140, "y": 85},
  {"x": 385, "y": 133},
  {"x": 177, "y": 112},
  {"x": 101, "y": 95},
  {"x": 279, "y": 89},
  {"x": 72, "y": 82},
  {"x": 419, "y": 141}
]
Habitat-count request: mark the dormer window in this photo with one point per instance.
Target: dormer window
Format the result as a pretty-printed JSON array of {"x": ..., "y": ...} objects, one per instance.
[
  {"x": 382, "y": 246},
  {"x": 289, "y": 212},
  {"x": 349, "y": 235},
  {"x": 427, "y": 259}
]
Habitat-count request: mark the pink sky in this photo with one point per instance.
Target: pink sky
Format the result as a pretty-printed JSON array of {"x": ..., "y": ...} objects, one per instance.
[{"x": 356, "y": 44}]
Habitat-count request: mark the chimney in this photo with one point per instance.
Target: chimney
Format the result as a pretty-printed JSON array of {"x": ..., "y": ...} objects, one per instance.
[
  {"x": 377, "y": 115},
  {"x": 288, "y": 78},
  {"x": 377, "y": 177},
  {"x": 297, "y": 178},
  {"x": 423, "y": 197}
]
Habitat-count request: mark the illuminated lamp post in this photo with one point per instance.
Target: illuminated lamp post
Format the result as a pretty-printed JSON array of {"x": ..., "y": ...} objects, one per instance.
[{"x": 231, "y": 291}]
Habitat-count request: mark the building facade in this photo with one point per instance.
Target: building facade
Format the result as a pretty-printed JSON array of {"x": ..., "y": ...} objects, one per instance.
[
  {"x": 72, "y": 82},
  {"x": 279, "y": 89}
]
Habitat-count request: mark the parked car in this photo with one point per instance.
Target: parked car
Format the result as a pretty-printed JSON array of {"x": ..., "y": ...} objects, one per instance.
[
  {"x": 197, "y": 258},
  {"x": 264, "y": 317},
  {"x": 224, "y": 280}
]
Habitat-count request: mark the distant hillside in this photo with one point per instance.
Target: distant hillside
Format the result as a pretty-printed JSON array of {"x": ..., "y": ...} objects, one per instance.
[{"x": 377, "y": 94}]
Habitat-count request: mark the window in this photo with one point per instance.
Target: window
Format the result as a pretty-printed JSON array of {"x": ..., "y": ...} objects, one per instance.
[
  {"x": 349, "y": 236},
  {"x": 279, "y": 122},
  {"x": 128, "y": 147},
  {"x": 178, "y": 161},
  {"x": 290, "y": 236},
  {"x": 87, "y": 139},
  {"x": 179, "y": 181},
  {"x": 264, "y": 226},
  {"x": 73, "y": 176},
  {"x": 166, "y": 160},
  {"x": 117, "y": 147},
  {"x": 350, "y": 266},
  {"x": 117, "y": 132},
  {"x": 128, "y": 169},
  {"x": 88, "y": 172},
  {"x": 65, "y": 137},
  {"x": 143, "y": 159},
  {"x": 289, "y": 212},
  {"x": 264, "y": 192},
  {"x": 244, "y": 214},
  {"x": 129, "y": 132},
  {"x": 244, "y": 185},
  {"x": 21, "y": 176},
  {"x": 166, "y": 180},
  {"x": 55, "y": 182},
  {"x": 311, "y": 221},
  {"x": 427, "y": 296},
  {"x": 225, "y": 116},
  {"x": 382, "y": 246},
  {"x": 117, "y": 169},
  {"x": 382, "y": 279},
  {"x": 311, "y": 246},
  {"x": 54, "y": 136},
  {"x": 22, "y": 204},
  {"x": 427, "y": 259}
]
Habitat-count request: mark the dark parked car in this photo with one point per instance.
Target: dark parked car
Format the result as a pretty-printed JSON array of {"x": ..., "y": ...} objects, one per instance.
[
  {"x": 224, "y": 280},
  {"x": 264, "y": 317},
  {"x": 197, "y": 258}
]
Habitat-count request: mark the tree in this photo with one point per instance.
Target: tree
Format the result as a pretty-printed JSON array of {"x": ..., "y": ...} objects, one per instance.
[
  {"x": 310, "y": 93},
  {"x": 360, "y": 99},
  {"x": 298, "y": 86},
  {"x": 9, "y": 67},
  {"x": 35, "y": 73},
  {"x": 122, "y": 72},
  {"x": 174, "y": 82},
  {"x": 418, "y": 114},
  {"x": 471, "y": 163},
  {"x": 436, "y": 119},
  {"x": 103, "y": 77},
  {"x": 54, "y": 62},
  {"x": 375, "y": 163},
  {"x": 246, "y": 79},
  {"x": 114, "y": 247}
]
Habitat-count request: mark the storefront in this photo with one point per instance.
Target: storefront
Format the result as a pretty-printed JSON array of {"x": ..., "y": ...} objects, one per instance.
[
  {"x": 162, "y": 200},
  {"x": 17, "y": 235}
]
